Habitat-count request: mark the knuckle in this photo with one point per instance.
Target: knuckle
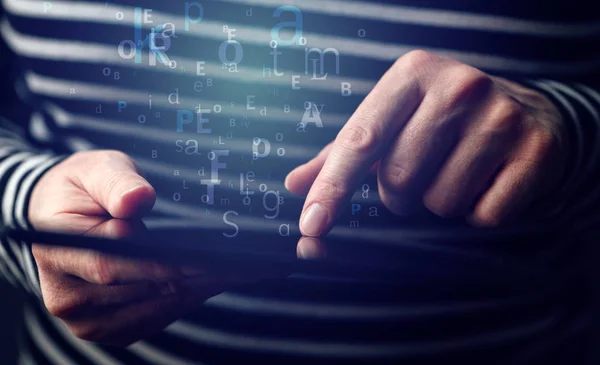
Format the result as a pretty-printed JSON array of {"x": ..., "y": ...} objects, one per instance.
[
  {"x": 53, "y": 306},
  {"x": 101, "y": 270},
  {"x": 546, "y": 139},
  {"x": 105, "y": 156},
  {"x": 468, "y": 83},
  {"x": 57, "y": 309},
  {"x": 541, "y": 143},
  {"x": 507, "y": 119},
  {"x": 396, "y": 176},
  {"x": 509, "y": 111},
  {"x": 418, "y": 59},
  {"x": 110, "y": 155},
  {"x": 358, "y": 139},
  {"x": 80, "y": 156},
  {"x": 63, "y": 303},
  {"x": 329, "y": 188},
  {"x": 62, "y": 308},
  {"x": 538, "y": 99}
]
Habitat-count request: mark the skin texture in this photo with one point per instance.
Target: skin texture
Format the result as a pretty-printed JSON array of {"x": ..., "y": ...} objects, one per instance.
[
  {"x": 443, "y": 136},
  {"x": 438, "y": 133},
  {"x": 102, "y": 298}
]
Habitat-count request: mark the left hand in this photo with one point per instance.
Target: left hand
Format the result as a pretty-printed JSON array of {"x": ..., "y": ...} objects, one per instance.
[
  {"x": 445, "y": 134},
  {"x": 106, "y": 298}
]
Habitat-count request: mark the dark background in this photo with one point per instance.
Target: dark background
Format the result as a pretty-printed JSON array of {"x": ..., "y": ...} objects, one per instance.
[
  {"x": 11, "y": 301},
  {"x": 10, "y": 307}
]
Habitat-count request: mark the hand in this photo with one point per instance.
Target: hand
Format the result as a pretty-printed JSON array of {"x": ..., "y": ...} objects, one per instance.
[
  {"x": 102, "y": 298},
  {"x": 445, "y": 135}
]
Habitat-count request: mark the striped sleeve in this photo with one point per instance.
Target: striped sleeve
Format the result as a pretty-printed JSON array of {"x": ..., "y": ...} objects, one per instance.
[
  {"x": 21, "y": 166},
  {"x": 579, "y": 193}
]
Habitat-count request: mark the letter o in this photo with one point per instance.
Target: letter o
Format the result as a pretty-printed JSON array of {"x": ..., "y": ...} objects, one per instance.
[{"x": 121, "y": 49}]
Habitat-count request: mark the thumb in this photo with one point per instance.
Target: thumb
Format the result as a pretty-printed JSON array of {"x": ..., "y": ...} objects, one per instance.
[{"x": 114, "y": 182}]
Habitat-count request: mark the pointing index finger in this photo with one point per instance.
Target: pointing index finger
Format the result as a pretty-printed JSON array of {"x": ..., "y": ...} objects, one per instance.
[{"x": 361, "y": 142}]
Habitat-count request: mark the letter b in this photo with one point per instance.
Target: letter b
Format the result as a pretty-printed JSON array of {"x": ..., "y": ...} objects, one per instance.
[{"x": 346, "y": 89}]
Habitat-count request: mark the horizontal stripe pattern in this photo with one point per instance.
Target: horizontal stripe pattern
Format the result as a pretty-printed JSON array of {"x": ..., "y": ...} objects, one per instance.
[{"x": 63, "y": 53}]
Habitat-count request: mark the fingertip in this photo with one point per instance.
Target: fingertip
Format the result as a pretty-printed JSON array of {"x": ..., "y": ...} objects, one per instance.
[
  {"x": 286, "y": 182},
  {"x": 134, "y": 201},
  {"x": 296, "y": 183},
  {"x": 480, "y": 221},
  {"x": 314, "y": 220}
]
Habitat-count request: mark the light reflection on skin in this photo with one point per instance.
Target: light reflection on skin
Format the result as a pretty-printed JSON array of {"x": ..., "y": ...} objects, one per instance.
[{"x": 310, "y": 248}]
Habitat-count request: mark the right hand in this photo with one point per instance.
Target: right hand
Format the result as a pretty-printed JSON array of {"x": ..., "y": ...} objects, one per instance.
[{"x": 103, "y": 298}]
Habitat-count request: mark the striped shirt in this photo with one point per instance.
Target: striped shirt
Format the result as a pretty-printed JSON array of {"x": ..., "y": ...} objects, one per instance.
[{"x": 139, "y": 76}]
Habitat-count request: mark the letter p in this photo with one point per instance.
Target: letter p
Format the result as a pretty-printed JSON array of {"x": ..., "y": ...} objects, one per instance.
[
  {"x": 121, "y": 105},
  {"x": 188, "y": 20},
  {"x": 355, "y": 208},
  {"x": 47, "y": 6},
  {"x": 183, "y": 117}
]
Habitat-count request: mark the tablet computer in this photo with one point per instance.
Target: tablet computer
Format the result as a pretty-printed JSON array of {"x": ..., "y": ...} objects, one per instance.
[{"x": 512, "y": 257}]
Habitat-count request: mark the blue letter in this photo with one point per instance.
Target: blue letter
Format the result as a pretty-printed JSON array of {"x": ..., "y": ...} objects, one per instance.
[
  {"x": 181, "y": 120},
  {"x": 296, "y": 24},
  {"x": 188, "y": 20}
]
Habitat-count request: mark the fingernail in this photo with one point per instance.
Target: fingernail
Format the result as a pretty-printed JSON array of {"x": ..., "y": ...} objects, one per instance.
[
  {"x": 314, "y": 220},
  {"x": 308, "y": 248},
  {"x": 138, "y": 186}
]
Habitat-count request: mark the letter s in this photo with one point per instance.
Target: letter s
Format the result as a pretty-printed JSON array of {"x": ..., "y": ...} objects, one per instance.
[{"x": 237, "y": 230}]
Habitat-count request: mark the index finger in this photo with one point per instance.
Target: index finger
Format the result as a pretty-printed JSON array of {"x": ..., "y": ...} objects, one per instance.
[{"x": 361, "y": 142}]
